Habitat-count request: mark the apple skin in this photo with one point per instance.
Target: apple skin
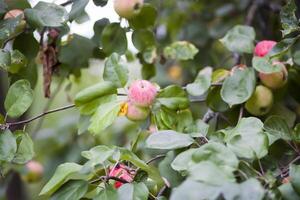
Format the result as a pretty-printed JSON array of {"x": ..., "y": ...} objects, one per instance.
[
  {"x": 263, "y": 47},
  {"x": 14, "y": 13},
  {"x": 142, "y": 93},
  {"x": 127, "y": 8},
  {"x": 120, "y": 171},
  {"x": 261, "y": 102},
  {"x": 34, "y": 170},
  {"x": 275, "y": 80},
  {"x": 136, "y": 113}
]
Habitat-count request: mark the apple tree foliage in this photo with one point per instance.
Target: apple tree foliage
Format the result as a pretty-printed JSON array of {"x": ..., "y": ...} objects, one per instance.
[{"x": 199, "y": 140}]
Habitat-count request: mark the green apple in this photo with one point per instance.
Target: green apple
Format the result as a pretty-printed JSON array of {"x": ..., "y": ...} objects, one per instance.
[
  {"x": 127, "y": 8},
  {"x": 275, "y": 80},
  {"x": 260, "y": 102},
  {"x": 136, "y": 113}
]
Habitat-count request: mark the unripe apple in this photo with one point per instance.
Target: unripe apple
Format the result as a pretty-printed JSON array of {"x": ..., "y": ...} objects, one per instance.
[
  {"x": 142, "y": 93},
  {"x": 121, "y": 171},
  {"x": 260, "y": 102},
  {"x": 136, "y": 113},
  {"x": 14, "y": 13},
  {"x": 275, "y": 80},
  {"x": 35, "y": 171},
  {"x": 262, "y": 48},
  {"x": 127, "y": 8}
]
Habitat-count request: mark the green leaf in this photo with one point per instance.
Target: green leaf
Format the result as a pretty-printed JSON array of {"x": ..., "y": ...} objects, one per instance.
[
  {"x": 145, "y": 18},
  {"x": 133, "y": 191},
  {"x": 183, "y": 161},
  {"x": 201, "y": 83},
  {"x": 181, "y": 50},
  {"x": 25, "y": 151},
  {"x": 295, "y": 177},
  {"x": 288, "y": 192},
  {"x": 247, "y": 139},
  {"x": 214, "y": 100},
  {"x": 98, "y": 29},
  {"x": 194, "y": 190},
  {"x": 71, "y": 191},
  {"x": 100, "y": 2},
  {"x": 94, "y": 92},
  {"x": 210, "y": 173},
  {"x": 142, "y": 39},
  {"x": 282, "y": 47},
  {"x": 63, "y": 173},
  {"x": 168, "y": 139},
  {"x": 27, "y": 45},
  {"x": 18, "y": 61},
  {"x": 10, "y": 28},
  {"x": 277, "y": 127},
  {"x": 248, "y": 190},
  {"x": 71, "y": 56},
  {"x": 77, "y": 9},
  {"x": 264, "y": 65},
  {"x": 46, "y": 14},
  {"x": 104, "y": 116},
  {"x": 173, "y": 97},
  {"x": 114, "y": 39},
  {"x": 239, "y": 39},
  {"x": 296, "y": 57},
  {"x": 92, "y": 106},
  {"x": 114, "y": 71},
  {"x": 4, "y": 59},
  {"x": 109, "y": 193},
  {"x": 8, "y": 146},
  {"x": 18, "y": 99},
  {"x": 289, "y": 21},
  {"x": 239, "y": 87}
]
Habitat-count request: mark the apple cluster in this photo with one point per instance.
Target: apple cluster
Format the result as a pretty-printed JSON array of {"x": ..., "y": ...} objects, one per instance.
[{"x": 261, "y": 101}]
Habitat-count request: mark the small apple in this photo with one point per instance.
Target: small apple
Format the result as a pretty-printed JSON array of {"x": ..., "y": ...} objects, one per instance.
[
  {"x": 275, "y": 80},
  {"x": 260, "y": 102},
  {"x": 263, "y": 47},
  {"x": 121, "y": 171},
  {"x": 142, "y": 93},
  {"x": 175, "y": 72},
  {"x": 14, "y": 13},
  {"x": 136, "y": 113},
  {"x": 127, "y": 8},
  {"x": 34, "y": 171}
]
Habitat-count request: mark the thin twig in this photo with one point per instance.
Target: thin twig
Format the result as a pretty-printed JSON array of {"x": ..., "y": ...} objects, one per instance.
[
  {"x": 67, "y": 3},
  {"x": 241, "y": 113},
  {"x": 161, "y": 191},
  {"x": 155, "y": 158},
  {"x": 107, "y": 178},
  {"x": 261, "y": 168}
]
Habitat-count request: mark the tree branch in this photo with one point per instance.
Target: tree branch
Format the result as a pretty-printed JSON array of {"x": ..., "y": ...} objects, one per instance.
[
  {"x": 155, "y": 158},
  {"x": 67, "y": 3}
]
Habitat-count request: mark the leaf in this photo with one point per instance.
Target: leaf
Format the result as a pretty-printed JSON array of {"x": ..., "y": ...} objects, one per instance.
[
  {"x": 181, "y": 50},
  {"x": 201, "y": 83},
  {"x": 94, "y": 92},
  {"x": 282, "y": 47},
  {"x": 27, "y": 45},
  {"x": 71, "y": 191},
  {"x": 8, "y": 146},
  {"x": 277, "y": 127},
  {"x": 92, "y": 106},
  {"x": 71, "y": 56},
  {"x": 46, "y": 14},
  {"x": 145, "y": 18},
  {"x": 104, "y": 116},
  {"x": 114, "y": 71},
  {"x": 295, "y": 177},
  {"x": 98, "y": 29},
  {"x": 4, "y": 59},
  {"x": 25, "y": 151},
  {"x": 239, "y": 87},
  {"x": 100, "y": 2},
  {"x": 288, "y": 192},
  {"x": 264, "y": 65},
  {"x": 77, "y": 9},
  {"x": 18, "y": 99},
  {"x": 114, "y": 39},
  {"x": 194, "y": 190},
  {"x": 210, "y": 173},
  {"x": 214, "y": 100},
  {"x": 18, "y": 61},
  {"x": 183, "y": 161},
  {"x": 10, "y": 28},
  {"x": 248, "y": 190},
  {"x": 173, "y": 97},
  {"x": 142, "y": 39},
  {"x": 289, "y": 21},
  {"x": 62, "y": 174},
  {"x": 133, "y": 191},
  {"x": 109, "y": 193},
  {"x": 168, "y": 139},
  {"x": 247, "y": 139},
  {"x": 239, "y": 39}
]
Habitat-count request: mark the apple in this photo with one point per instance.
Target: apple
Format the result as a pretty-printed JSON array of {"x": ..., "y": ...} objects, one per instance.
[
  {"x": 120, "y": 171},
  {"x": 142, "y": 93},
  {"x": 263, "y": 47},
  {"x": 136, "y": 113},
  {"x": 127, "y": 8},
  {"x": 14, "y": 13},
  {"x": 260, "y": 102},
  {"x": 34, "y": 171},
  {"x": 275, "y": 80},
  {"x": 175, "y": 72}
]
